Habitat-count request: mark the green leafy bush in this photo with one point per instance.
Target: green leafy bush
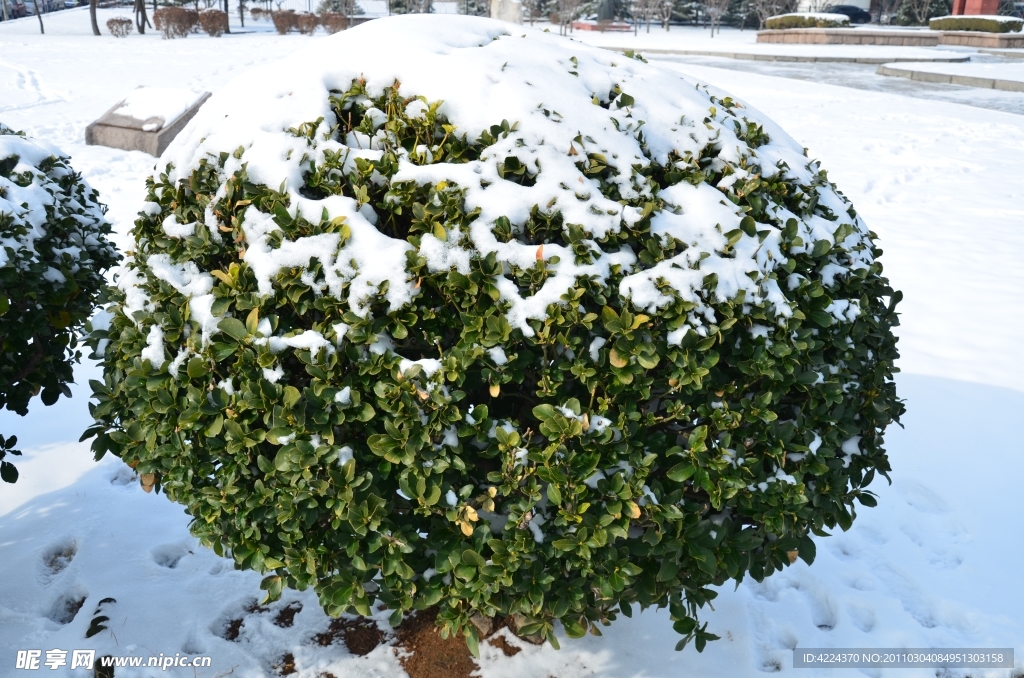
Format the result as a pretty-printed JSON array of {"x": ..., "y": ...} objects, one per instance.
[
  {"x": 53, "y": 251},
  {"x": 976, "y": 23},
  {"x": 626, "y": 347},
  {"x": 807, "y": 20}
]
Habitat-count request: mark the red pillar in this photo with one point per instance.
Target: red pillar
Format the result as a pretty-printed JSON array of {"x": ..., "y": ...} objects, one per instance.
[{"x": 981, "y": 7}]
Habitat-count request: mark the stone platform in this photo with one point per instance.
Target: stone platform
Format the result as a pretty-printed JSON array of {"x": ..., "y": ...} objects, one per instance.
[
  {"x": 904, "y": 38},
  {"x": 796, "y": 58},
  {"x": 141, "y": 124}
]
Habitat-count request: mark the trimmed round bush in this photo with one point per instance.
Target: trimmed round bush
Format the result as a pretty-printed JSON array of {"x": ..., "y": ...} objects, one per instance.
[
  {"x": 120, "y": 26},
  {"x": 507, "y": 325},
  {"x": 175, "y": 22},
  {"x": 284, "y": 21},
  {"x": 53, "y": 252},
  {"x": 214, "y": 22},
  {"x": 333, "y": 22},
  {"x": 807, "y": 20}
]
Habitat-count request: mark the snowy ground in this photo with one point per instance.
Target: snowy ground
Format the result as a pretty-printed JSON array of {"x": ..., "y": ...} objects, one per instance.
[{"x": 937, "y": 564}]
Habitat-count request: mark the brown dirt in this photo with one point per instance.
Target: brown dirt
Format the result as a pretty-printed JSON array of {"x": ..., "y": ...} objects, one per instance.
[
  {"x": 506, "y": 647},
  {"x": 286, "y": 616},
  {"x": 427, "y": 654},
  {"x": 286, "y": 666},
  {"x": 234, "y": 626},
  {"x": 360, "y": 636}
]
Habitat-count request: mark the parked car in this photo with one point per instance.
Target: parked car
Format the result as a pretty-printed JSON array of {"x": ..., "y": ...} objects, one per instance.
[
  {"x": 856, "y": 14},
  {"x": 15, "y": 9}
]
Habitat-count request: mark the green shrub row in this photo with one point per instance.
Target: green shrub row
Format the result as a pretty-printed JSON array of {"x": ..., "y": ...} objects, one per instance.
[
  {"x": 784, "y": 21},
  {"x": 975, "y": 23}
]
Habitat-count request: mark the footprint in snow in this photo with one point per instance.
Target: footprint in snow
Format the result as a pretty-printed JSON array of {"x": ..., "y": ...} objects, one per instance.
[
  {"x": 58, "y": 556},
  {"x": 66, "y": 606},
  {"x": 921, "y": 497},
  {"x": 169, "y": 555},
  {"x": 862, "y": 616}
]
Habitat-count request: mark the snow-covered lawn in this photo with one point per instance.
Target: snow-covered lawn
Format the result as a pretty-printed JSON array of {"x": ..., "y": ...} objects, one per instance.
[{"x": 936, "y": 564}]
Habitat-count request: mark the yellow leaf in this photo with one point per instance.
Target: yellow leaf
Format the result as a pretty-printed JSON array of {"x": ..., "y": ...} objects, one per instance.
[
  {"x": 792, "y": 555},
  {"x": 467, "y": 529},
  {"x": 617, "y": 359},
  {"x": 471, "y": 514},
  {"x": 495, "y": 389},
  {"x": 632, "y": 510}
]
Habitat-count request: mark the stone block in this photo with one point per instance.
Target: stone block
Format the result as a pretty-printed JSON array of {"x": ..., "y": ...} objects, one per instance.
[{"x": 134, "y": 127}]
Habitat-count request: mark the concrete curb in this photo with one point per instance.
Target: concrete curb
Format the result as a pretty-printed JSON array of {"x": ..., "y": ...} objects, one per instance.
[
  {"x": 948, "y": 79},
  {"x": 1005, "y": 53},
  {"x": 791, "y": 57}
]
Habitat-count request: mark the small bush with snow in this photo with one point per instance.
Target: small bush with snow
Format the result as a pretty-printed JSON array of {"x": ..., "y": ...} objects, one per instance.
[
  {"x": 508, "y": 325},
  {"x": 53, "y": 252},
  {"x": 807, "y": 20},
  {"x": 284, "y": 21},
  {"x": 214, "y": 22},
  {"x": 120, "y": 26},
  {"x": 982, "y": 23},
  {"x": 175, "y": 22}
]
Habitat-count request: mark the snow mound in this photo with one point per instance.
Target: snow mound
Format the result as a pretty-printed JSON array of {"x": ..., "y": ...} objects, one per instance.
[{"x": 561, "y": 116}]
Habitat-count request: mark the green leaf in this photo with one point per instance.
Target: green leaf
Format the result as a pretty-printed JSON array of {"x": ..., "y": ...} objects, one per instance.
[
  {"x": 680, "y": 472},
  {"x": 196, "y": 368},
  {"x": 8, "y": 473},
  {"x": 233, "y": 327},
  {"x": 472, "y": 641},
  {"x": 821, "y": 318},
  {"x": 292, "y": 396},
  {"x": 554, "y": 495},
  {"x": 473, "y": 559}
]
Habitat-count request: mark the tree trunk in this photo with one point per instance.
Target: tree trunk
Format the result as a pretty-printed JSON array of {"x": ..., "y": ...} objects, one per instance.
[
  {"x": 241, "y": 12},
  {"x": 92, "y": 17},
  {"x": 39, "y": 16},
  {"x": 141, "y": 18}
]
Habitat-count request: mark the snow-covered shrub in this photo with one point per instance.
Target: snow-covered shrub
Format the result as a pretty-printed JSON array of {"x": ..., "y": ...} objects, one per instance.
[
  {"x": 120, "y": 26},
  {"x": 306, "y": 22},
  {"x": 53, "y": 252},
  {"x": 214, "y": 22},
  {"x": 284, "y": 20},
  {"x": 509, "y": 325},
  {"x": 333, "y": 22},
  {"x": 986, "y": 24},
  {"x": 257, "y": 13},
  {"x": 807, "y": 20},
  {"x": 175, "y": 22}
]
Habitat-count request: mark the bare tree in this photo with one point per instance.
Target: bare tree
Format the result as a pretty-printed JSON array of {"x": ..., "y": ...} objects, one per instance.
[
  {"x": 39, "y": 16},
  {"x": 642, "y": 11},
  {"x": 769, "y": 8},
  {"x": 530, "y": 7},
  {"x": 918, "y": 10},
  {"x": 92, "y": 17},
  {"x": 141, "y": 20},
  {"x": 715, "y": 10},
  {"x": 566, "y": 14},
  {"x": 665, "y": 10}
]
